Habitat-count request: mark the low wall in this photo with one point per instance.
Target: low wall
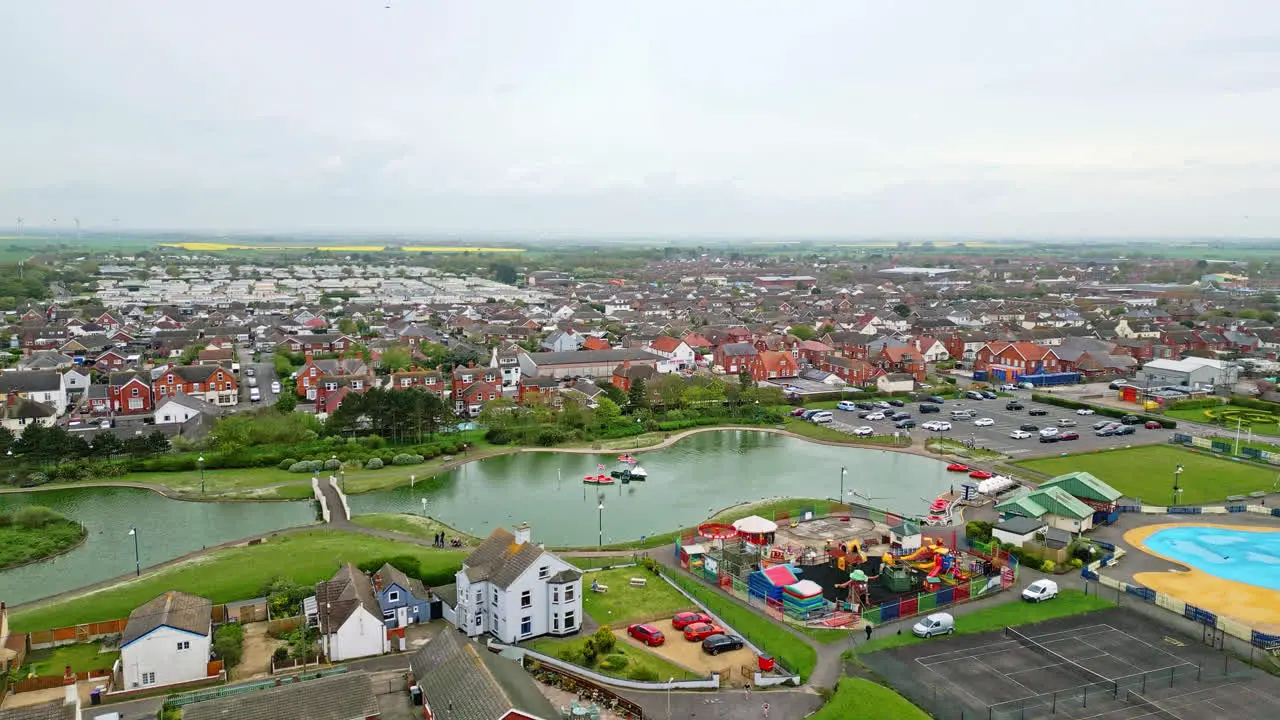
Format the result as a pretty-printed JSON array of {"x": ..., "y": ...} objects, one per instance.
[
  {"x": 346, "y": 508},
  {"x": 324, "y": 506},
  {"x": 711, "y": 683}
]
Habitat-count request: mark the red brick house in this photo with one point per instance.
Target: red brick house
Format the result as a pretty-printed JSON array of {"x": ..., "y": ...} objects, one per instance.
[
  {"x": 1016, "y": 359},
  {"x": 464, "y": 377},
  {"x": 775, "y": 364},
  {"x": 110, "y": 361},
  {"x": 212, "y": 383},
  {"x": 127, "y": 394},
  {"x": 734, "y": 357},
  {"x": 312, "y": 370},
  {"x": 813, "y": 352},
  {"x": 906, "y": 360},
  {"x": 430, "y": 380},
  {"x": 626, "y": 373},
  {"x": 851, "y": 370},
  {"x": 470, "y": 400}
]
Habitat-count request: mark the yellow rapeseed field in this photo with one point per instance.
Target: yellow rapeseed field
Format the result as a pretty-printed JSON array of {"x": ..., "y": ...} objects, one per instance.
[
  {"x": 460, "y": 248},
  {"x": 215, "y": 247}
]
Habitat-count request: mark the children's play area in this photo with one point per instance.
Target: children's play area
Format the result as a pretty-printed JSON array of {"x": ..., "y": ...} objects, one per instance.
[{"x": 835, "y": 566}]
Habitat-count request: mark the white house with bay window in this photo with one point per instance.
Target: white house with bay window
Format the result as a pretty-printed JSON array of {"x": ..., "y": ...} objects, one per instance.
[{"x": 515, "y": 590}]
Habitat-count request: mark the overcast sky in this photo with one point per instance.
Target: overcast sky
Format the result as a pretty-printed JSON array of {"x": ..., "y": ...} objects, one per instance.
[{"x": 536, "y": 118}]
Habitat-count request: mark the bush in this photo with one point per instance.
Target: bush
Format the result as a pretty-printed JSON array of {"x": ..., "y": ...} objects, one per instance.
[
  {"x": 604, "y": 640},
  {"x": 287, "y": 463},
  {"x": 1166, "y": 423},
  {"x": 306, "y": 466},
  {"x": 407, "y": 459},
  {"x": 1077, "y": 563},
  {"x": 32, "y": 517},
  {"x": 1048, "y": 566},
  {"x": 1255, "y": 404},
  {"x": 499, "y": 436},
  {"x": 979, "y": 530},
  {"x": 373, "y": 464},
  {"x": 643, "y": 674},
  {"x": 1195, "y": 404},
  {"x": 280, "y": 655},
  {"x": 36, "y": 478},
  {"x": 550, "y": 436},
  {"x": 613, "y": 663},
  {"x": 332, "y": 464},
  {"x": 373, "y": 442},
  {"x": 228, "y": 644}
]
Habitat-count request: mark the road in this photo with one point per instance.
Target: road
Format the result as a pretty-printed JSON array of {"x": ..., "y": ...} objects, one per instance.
[{"x": 263, "y": 372}]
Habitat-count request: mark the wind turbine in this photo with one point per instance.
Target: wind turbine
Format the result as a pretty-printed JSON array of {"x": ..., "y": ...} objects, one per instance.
[
  {"x": 77, "y": 228},
  {"x": 19, "y": 226}
]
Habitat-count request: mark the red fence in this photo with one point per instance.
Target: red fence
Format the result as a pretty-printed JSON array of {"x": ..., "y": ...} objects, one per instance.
[
  {"x": 45, "y": 682},
  {"x": 75, "y": 633}
]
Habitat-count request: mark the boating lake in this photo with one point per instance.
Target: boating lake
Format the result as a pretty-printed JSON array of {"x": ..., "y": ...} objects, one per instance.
[{"x": 688, "y": 481}]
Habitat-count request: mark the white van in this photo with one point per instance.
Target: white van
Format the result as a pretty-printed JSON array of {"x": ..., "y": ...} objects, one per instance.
[
  {"x": 822, "y": 417},
  {"x": 935, "y": 624},
  {"x": 1040, "y": 590},
  {"x": 963, "y": 414}
]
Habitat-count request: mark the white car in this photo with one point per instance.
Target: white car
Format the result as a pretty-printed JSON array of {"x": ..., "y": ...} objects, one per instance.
[
  {"x": 984, "y": 422},
  {"x": 864, "y": 431},
  {"x": 846, "y": 405},
  {"x": 1048, "y": 432},
  {"x": 275, "y": 387},
  {"x": 1084, "y": 411},
  {"x": 1008, "y": 387},
  {"x": 875, "y": 416},
  {"x": 1040, "y": 590},
  {"x": 941, "y": 425},
  {"x": 1019, "y": 434},
  {"x": 930, "y": 425}
]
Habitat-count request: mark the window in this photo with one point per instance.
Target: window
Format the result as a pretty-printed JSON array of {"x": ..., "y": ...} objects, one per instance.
[
  {"x": 135, "y": 404},
  {"x": 388, "y": 614},
  {"x": 393, "y": 596},
  {"x": 494, "y": 600},
  {"x": 526, "y": 599},
  {"x": 526, "y": 626},
  {"x": 479, "y": 620},
  {"x": 568, "y": 593},
  {"x": 134, "y": 392},
  {"x": 148, "y": 678},
  {"x": 405, "y": 382},
  {"x": 356, "y": 384},
  {"x": 555, "y": 622},
  {"x": 555, "y": 594},
  {"x": 544, "y": 572},
  {"x": 569, "y": 621},
  {"x": 184, "y": 645},
  {"x": 479, "y": 596}
]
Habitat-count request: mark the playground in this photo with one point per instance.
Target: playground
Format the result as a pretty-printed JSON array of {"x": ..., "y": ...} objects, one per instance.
[{"x": 1112, "y": 664}]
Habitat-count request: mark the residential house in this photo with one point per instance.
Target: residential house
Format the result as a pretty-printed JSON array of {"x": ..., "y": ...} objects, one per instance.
[
  {"x": 47, "y": 387},
  {"x": 895, "y": 382},
  {"x": 212, "y": 383},
  {"x": 45, "y": 360},
  {"x": 178, "y": 409},
  {"x": 932, "y": 350},
  {"x": 329, "y": 391},
  {"x": 19, "y": 414},
  {"x": 127, "y": 393},
  {"x": 460, "y": 679},
  {"x": 76, "y": 381},
  {"x": 404, "y": 600},
  {"x": 349, "y": 696},
  {"x": 469, "y": 401},
  {"x": 516, "y": 590},
  {"x": 507, "y": 361},
  {"x": 1006, "y": 361},
  {"x": 1054, "y": 505},
  {"x": 345, "y": 609},
  {"x": 734, "y": 357},
  {"x": 429, "y": 380},
  {"x": 772, "y": 364},
  {"x": 317, "y": 344},
  {"x": 166, "y": 641},
  {"x": 679, "y": 356},
  {"x": 901, "y": 359},
  {"x": 562, "y": 341},
  {"x": 813, "y": 352},
  {"x": 853, "y": 372},
  {"x": 594, "y": 343},
  {"x": 312, "y": 370}
]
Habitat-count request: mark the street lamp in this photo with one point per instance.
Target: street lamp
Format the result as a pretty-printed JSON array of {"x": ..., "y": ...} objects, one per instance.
[
  {"x": 1176, "y": 472},
  {"x": 670, "y": 681},
  {"x": 137, "y": 558},
  {"x": 200, "y": 462},
  {"x": 843, "y": 472},
  {"x": 600, "y": 518}
]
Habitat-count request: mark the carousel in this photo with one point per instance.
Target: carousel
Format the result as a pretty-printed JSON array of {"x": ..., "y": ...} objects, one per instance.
[{"x": 756, "y": 531}]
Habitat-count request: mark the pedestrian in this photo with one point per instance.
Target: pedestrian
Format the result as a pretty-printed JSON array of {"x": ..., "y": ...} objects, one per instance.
[{"x": 868, "y": 629}]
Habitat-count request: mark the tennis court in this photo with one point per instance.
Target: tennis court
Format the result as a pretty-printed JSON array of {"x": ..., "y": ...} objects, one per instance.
[{"x": 1111, "y": 665}]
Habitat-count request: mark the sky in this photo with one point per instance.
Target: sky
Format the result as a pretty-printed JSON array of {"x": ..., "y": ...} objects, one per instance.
[{"x": 734, "y": 118}]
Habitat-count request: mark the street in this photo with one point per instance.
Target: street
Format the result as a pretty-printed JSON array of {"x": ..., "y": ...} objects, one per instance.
[{"x": 264, "y": 373}]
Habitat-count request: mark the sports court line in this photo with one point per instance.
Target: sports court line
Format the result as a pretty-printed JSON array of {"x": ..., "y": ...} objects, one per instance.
[
  {"x": 991, "y": 647},
  {"x": 1134, "y": 638}
]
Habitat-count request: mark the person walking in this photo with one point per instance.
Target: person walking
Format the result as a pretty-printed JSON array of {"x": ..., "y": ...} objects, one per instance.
[{"x": 868, "y": 629}]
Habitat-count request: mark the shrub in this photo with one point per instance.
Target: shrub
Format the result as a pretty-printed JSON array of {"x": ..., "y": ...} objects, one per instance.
[
  {"x": 287, "y": 463},
  {"x": 604, "y": 640},
  {"x": 550, "y": 436},
  {"x": 1077, "y": 563},
  {"x": 979, "y": 530},
  {"x": 499, "y": 436},
  {"x": 300, "y": 467},
  {"x": 34, "y": 516},
  {"x": 280, "y": 655},
  {"x": 1048, "y": 566},
  {"x": 373, "y": 442},
  {"x": 373, "y": 464},
  {"x": 36, "y": 478},
  {"x": 613, "y": 663},
  {"x": 332, "y": 464},
  {"x": 643, "y": 674},
  {"x": 228, "y": 644},
  {"x": 1195, "y": 404},
  {"x": 407, "y": 459}
]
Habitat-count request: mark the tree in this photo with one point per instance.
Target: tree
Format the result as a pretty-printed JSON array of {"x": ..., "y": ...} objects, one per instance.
[
  {"x": 348, "y": 326},
  {"x": 503, "y": 272},
  {"x": 286, "y": 401},
  {"x": 434, "y": 354},
  {"x": 396, "y": 358},
  {"x": 228, "y": 644},
  {"x": 638, "y": 395},
  {"x": 901, "y": 310},
  {"x": 607, "y": 411},
  {"x": 745, "y": 380},
  {"x": 105, "y": 445},
  {"x": 613, "y": 392},
  {"x": 804, "y": 332}
]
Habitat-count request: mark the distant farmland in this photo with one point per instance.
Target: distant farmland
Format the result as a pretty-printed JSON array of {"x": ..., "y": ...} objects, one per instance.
[{"x": 216, "y": 247}]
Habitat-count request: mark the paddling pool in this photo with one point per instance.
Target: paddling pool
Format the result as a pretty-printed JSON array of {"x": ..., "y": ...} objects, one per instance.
[{"x": 1251, "y": 557}]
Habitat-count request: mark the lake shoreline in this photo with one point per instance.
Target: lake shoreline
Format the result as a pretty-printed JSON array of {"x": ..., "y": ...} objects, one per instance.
[{"x": 84, "y": 537}]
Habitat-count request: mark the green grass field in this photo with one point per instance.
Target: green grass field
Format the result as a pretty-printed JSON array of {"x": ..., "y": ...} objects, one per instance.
[
  {"x": 792, "y": 651},
  {"x": 639, "y": 663},
  {"x": 82, "y": 658},
  {"x": 411, "y": 525},
  {"x": 859, "y": 699},
  {"x": 235, "y": 574},
  {"x": 20, "y": 545},
  {"x": 1197, "y": 415},
  {"x": 624, "y": 604},
  {"x": 600, "y": 561},
  {"x": 1146, "y": 473},
  {"x": 1012, "y": 614}
]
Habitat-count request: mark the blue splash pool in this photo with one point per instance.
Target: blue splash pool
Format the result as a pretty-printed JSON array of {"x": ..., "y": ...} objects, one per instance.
[{"x": 1245, "y": 556}]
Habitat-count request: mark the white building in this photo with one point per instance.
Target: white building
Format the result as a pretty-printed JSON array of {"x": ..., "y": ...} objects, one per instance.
[
  {"x": 166, "y": 641},
  {"x": 515, "y": 590},
  {"x": 180, "y": 408},
  {"x": 47, "y": 387},
  {"x": 678, "y": 354},
  {"x": 346, "y": 610}
]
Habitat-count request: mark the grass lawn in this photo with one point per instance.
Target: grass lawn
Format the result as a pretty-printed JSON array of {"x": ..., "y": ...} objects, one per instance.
[
  {"x": 236, "y": 573},
  {"x": 600, "y": 561},
  {"x": 859, "y": 699},
  {"x": 82, "y": 658},
  {"x": 624, "y": 604},
  {"x": 792, "y": 651},
  {"x": 1012, "y": 614},
  {"x": 19, "y": 545},
  {"x": 639, "y": 665},
  {"x": 411, "y": 525},
  {"x": 1147, "y": 473},
  {"x": 1197, "y": 415}
]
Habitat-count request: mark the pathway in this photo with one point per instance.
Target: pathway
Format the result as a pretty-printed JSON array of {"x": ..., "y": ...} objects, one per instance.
[{"x": 338, "y": 519}]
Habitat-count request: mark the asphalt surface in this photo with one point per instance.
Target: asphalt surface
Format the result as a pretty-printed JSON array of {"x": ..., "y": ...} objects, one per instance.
[{"x": 264, "y": 373}]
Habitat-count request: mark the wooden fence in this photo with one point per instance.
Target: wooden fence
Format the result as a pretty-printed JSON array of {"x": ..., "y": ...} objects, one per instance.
[
  {"x": 45, "y": 682},
  {"x": 284, "y": 625},
  {"x": 72, "y": 634}
]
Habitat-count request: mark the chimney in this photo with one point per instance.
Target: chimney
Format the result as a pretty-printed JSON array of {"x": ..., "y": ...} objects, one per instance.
[
  {"x": 377, "y": 582},
  {"x": 522, "y": 533}
]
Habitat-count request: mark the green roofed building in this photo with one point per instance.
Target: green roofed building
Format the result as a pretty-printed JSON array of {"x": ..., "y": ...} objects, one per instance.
[
  {"x": 1053, "y": 505},
  {"x": 1087, "y": 489}
]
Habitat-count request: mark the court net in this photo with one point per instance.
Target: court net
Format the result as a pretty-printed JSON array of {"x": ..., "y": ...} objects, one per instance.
[
  {"x": 1030, "y": 644},
  {"x": 1148, "y": 706}
]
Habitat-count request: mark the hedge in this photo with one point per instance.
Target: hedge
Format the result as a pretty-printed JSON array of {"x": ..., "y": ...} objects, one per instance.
[
  {"x": 1255, "y": 404},
  {"x": 1166, "y": 423},
  {"x": 1195, "y": 404}
]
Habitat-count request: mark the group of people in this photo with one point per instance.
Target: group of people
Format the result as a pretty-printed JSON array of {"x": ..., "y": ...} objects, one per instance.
[{"x": 439, "y": 541}]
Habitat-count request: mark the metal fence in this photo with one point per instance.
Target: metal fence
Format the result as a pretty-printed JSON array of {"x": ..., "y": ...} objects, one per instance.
[{"x": 230, "y": 690}]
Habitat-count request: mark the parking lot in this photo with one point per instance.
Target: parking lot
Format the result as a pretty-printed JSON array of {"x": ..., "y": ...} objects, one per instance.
[{"x": 996, "y": 436}]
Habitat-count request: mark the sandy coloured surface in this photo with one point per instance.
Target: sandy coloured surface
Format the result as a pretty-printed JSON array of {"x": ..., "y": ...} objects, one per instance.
[
  {"x": 689, "y": 655},
  {"x": 1257, "y": 606}
]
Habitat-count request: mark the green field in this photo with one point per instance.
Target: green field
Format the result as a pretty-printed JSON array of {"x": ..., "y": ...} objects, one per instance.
[
  {"x": 411, "y": 525},
  {"x": 236, "y": 574},
  {"x": 1197, "y": 415},
  {"x": 599, "y": 561},
  {"x": 793, "y": 652},
  {"x": 639, "y": 663},
  {"x": 624, "y": 604},
  {"x": 82, "y": 658},
  {"x": 1146, "y": 473},
  {"x": 1008, "y": 614},
  {"x": 859, "y": 699},
  {"x": 19, "y": 545}
]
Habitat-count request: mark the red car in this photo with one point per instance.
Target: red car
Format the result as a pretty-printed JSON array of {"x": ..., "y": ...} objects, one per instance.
[
  {"x": 980, "y": 475},
  {"x": 798, "y": 412},
  {"x": 647, "y": 634},
  {"x": 1069, "y": 436},
  {"x": 685, "y": 619},
  {"x": 701, "y": 631},
  {"x": 1152, "y": 425}
]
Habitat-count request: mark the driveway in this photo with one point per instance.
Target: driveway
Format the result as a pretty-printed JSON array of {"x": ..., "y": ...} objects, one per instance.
[{"x": 256, "y": 660}]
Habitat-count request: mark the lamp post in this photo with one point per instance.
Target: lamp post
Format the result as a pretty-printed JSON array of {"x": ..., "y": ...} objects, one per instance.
[
  {"x": 843, "y": 472},
  {"x": 137, "y": 557},
  {"x": 200, "y": 463},
  {"x": 600, "y": 519},
  {"x": 1176, "y": 472},
  {"x": 670, "y": 682}
]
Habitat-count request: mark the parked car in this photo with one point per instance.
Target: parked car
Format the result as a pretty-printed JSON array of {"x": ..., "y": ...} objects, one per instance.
[
  {"x": 104, "y": 424},
  {"x": 865, "y": 406},
  {"x": 1101, "y": 424},
  {"x": 275, "y": 387},
  {"x": 930, "y": 425},
  {"x": 877, "y": 415},
  {"x": 254, "y": 395},
  {"x": 798, "y": 412},
  {"x": 647, "y": 634},
  {"x": 250, "y": 371},
  {"x": 974, "y": 395},
  {"x": 1084, "y": 411},
  {"x": 904, "y": 424},
  {"x": 1066, "y": 422},
  {"x": 963, "y": 414},
  {"x": 1029, "y": 427},
  {"x": 717, "y": 644},
  {"x": 1049, "y": 438},
  {"x": 702, "y": 631},
  {"x": 253, "y": 381},
  {"x": 808, "y": 414},
  {"x": 1125, "y": 430},
  {"x": 1118, "y": 385},
  {"x": 1019, "y": 434},
  {"x": 1008, "y": 387},
  {"x": 935, "y": 399},
  {"x": 1069, "y": 436},
  {"x": 1152, "y": 425},
  {"x": 1037, "y": 412},
  {"x": 1107, "y": 431},
  {"x": 1013, "y": 405},
  {"x": 1026, "y": 386},
  {"x": 1040, "y": 590},
  {"x": 984, "y": 422},
  {"x": 900, "y": 416},
  {"x": 846, "y": 405},
  {"x": 989, "y": 395},
  {"x": 680, "y": 621},
  {"x": 897, "y": 403},
  {"x": 1049, "y": 431},
  {"x": 882, "y": 405},
  {"x": 935, "y": 624},
  {"x": 822, "y": 417},
  {"x": 864, "y": 431},
  {"x": 1130, "y": 420},
  {"x": 929, "y": 409}
]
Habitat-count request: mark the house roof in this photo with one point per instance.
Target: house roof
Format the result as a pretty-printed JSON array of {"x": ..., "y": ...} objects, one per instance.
[
  {"x": 905, "y": 528},
  {"x": 338, "y": 598},
  {"x": 447, "y": 593},
  {"x": 30, "y": 381},
  {"x": 579, "y": 357},
  {"x": 1020, "y": 525},
  {"x": 392, "y": 574},
  {"x": 1084, "y": 485},
  {"x": 1046, "y": 501},
  {"x": 178, "y": 610},
  {"x": 53, "y": 710},
  {"x": 461, "y": 680},
  {"x": 28, "y": 410},
  {"x": 665, "y": 343},
  {"x": 348, "y": 696},
  {"x": 499, "y": 559}
]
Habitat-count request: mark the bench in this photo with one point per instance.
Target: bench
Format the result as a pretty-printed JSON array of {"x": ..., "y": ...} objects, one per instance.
[
  {"x": 638, "y": 582},
  {"x": 600, "y": 588}
]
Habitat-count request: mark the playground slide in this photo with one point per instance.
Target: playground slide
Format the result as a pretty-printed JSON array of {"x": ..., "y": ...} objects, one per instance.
[
  {"x": 937, "y": 568},
  {"x": 923, "y": 552}
]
